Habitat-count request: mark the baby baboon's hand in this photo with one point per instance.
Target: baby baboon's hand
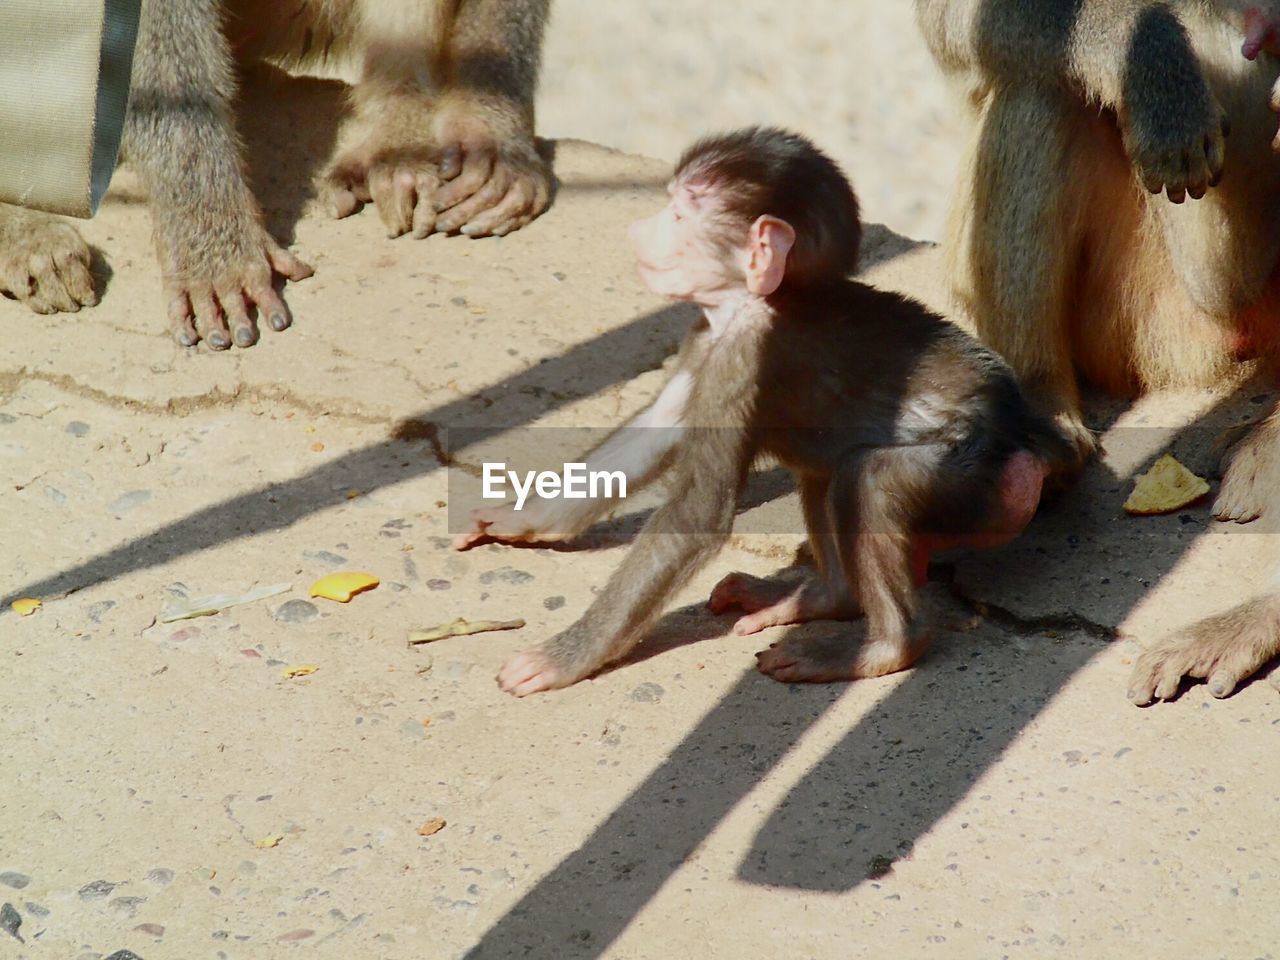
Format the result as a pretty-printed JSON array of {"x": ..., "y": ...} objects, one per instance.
[
  {"x": 44, "y": 262},
  {"x": 504, "y": 523},
  {"x": 532, "y": 671}
]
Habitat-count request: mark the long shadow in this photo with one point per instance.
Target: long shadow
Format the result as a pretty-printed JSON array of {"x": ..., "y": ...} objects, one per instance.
[{"x": 612, "y": 357}]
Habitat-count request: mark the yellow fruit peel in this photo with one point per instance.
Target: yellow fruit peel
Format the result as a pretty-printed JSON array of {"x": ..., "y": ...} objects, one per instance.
[
  {"x": 1166, "y": 487},
  {"x": 343, "y": 586},
  {"x": 266, "y": 843},
  {"x": 431, "y": 827},
  {"x": 26, "y": 606},
  {"x": 290, "y": 672}
]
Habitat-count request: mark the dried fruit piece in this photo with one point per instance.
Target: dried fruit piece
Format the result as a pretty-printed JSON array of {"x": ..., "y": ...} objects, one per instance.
[
  {"x": 267, "y": 843},
  {"x": 1167, "y": 486},
  {"x": 26, "y": 606},
  {"x": 343, "y": 586},
  {"x": 290, "y": 672},
  {"x": 461, "y": 627},
  {"x": 434, "y": 825}
]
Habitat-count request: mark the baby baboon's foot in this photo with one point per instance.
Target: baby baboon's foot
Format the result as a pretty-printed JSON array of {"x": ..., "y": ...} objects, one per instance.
[
  {"x": 1251, "y": 474},
  {"x": 742, "y": 591},
  {"x": 770, "y": 603},
  {"x": 44, "y": 262},
  {"x": 810, "y": 660},
  {"x": 826, "y": 659}
]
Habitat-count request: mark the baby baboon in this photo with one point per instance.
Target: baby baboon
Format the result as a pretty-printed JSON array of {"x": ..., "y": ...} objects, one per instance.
[{"x": 903, "y": 432}]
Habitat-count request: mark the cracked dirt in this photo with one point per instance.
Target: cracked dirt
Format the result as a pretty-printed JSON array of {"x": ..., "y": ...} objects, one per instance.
[{"x": 1000, "y": 799}]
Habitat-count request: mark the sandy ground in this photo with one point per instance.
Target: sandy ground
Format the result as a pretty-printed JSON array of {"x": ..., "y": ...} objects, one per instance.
[
  {"x": 650, "y": 78},
  {"x": 999, "y": 800}
]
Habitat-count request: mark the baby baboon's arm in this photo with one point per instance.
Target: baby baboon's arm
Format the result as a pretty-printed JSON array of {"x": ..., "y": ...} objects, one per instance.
[
  {"x": 679, "y": 538},
  {"x": 639, "y": 449}
]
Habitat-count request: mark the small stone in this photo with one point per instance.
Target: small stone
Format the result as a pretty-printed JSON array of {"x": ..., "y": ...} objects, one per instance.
[
  {"x": 78, "y": 428},
  {"x": 293, "y": 936},
  {"x": 123, "y": 955},
  {"x": 221, "y": 934},
  {"x": 36, "y": 909},
  {"x": 98, "y": 890},
  {"x": 160, "y": 877},
  {"x": 553, "y": 603},
  {"x": 8, "y": 418},
  {"x": 506, "y": 575},
  {"x": 648, "y": 693},
  {"x": 10, "y": 921},
  {"x": 414, "y": 728},
  {"x": 56, "y": 495},
  {"x": 126, "y": 502},
  {"x": 296, "y": 611},
  {"x": 150, "y": 929},
  {"x": 325, "y": 558},
  {"x": 410, "y": 570},
  {"x": 438, "y": 584},
  {"x": 11, "y": 878},
  {"x": 99, "y": 610},
  {"x": 126, "y": 907}
]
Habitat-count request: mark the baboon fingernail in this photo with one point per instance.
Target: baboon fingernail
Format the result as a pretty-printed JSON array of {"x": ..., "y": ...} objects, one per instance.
[
  {"x": 218, "y": 340},
  {"x": 469, "y": 231},
  {"x": 244, "y": 337},
  {"x": 278, "y": 321},
  {"x": 185, "y": 338}
]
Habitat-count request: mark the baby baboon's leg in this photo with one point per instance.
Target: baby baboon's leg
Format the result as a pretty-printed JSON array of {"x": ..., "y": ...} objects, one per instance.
[
  {"x": 871, "y": 501},
  {"x": 771, "y": 603}
]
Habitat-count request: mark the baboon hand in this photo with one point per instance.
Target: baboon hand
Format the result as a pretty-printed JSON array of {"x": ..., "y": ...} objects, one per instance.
[
  {"x": 491, "y": 188},
  {"x": 44, "y": 262},
  {"x": 1177, "y": 143},
  {"x": 212, "y": 296},
  {"x": 1222, "y": 649},
  {"x": 401, "y": 182},
  {"x": 1251, "y": 472}
]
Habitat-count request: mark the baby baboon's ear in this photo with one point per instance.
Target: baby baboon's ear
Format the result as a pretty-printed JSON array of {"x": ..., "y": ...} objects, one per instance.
[{"x": 770, "y": 241}]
